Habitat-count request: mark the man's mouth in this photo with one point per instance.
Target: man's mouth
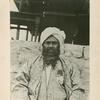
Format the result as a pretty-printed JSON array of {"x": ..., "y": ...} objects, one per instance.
[{"x": 50, "y": 52}]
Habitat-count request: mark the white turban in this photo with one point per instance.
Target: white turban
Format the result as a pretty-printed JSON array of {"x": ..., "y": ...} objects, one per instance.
[{"x": 57, "y": 33}]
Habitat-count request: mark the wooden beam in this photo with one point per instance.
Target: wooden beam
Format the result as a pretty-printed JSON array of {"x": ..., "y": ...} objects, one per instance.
[
  {"x": 12, "y": 27},
  {"x": 23, "y": 19},
  {"x": 63, "y": 14}
]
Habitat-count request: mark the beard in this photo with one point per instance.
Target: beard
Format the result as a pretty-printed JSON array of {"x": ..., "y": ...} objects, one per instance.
[{"x": 50, "y": 55}]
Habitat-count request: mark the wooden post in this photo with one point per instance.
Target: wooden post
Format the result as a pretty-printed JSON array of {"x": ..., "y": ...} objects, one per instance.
[
  {"x": 18, "y": 32},
  {"x": 20, "y": 5},
  {"x": 31, "y": 37},
  {"x": 31, "y": 31},
  {"x": 37, "y": 21},
  {"x": 27, "y": 35}
]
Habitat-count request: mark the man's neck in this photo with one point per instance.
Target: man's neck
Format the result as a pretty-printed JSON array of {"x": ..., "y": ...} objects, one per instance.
[{"x": 50, "y": 61}]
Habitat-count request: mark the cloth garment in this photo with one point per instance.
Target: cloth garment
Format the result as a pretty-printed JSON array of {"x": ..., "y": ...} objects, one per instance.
[
  {"x": 30, "y": 81},
  {"x": 48, "y": 71}
]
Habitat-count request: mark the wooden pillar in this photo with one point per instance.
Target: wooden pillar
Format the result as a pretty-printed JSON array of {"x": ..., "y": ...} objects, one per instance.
[
  {"x": 37, "y": 22},
  {"x": 27, "y": 35},
  {"x": 76, "y": 29},
  {"x": 20, "y": 5},
  {"x": 18, "y": 32},
  {"x": 31, "y": 28},
  {"x": 31, "y": 37}
]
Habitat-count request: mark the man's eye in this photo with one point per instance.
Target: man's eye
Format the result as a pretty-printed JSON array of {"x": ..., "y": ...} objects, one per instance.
[
  {"x": 54, "y": 43},
  {"x": 47, "y": 43}
]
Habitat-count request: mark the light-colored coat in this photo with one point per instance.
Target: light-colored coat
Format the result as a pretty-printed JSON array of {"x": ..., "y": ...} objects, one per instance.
[{"x": 30, "y": 82}]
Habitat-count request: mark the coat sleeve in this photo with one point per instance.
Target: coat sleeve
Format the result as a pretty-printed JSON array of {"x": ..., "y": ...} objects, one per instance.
[
  {"x": 19, "y": 83},
  {"x": 78, "y": 91}
]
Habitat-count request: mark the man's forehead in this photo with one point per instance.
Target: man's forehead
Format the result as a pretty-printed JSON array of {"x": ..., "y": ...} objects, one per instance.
[{"x": 51, "y": 38}]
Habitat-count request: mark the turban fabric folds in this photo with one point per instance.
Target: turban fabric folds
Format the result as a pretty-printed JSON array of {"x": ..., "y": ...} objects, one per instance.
[{"x": 57, "y": 33}]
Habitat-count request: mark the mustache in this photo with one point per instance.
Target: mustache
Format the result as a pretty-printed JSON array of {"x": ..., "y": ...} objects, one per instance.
[{"x": 50, "y": 51}]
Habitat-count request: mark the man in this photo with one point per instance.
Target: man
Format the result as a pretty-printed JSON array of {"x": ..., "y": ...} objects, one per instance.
[{"x": 50, "y": 76}]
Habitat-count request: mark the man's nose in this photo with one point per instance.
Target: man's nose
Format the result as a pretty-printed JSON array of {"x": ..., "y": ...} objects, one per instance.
[{"x": 51, "y": 45}]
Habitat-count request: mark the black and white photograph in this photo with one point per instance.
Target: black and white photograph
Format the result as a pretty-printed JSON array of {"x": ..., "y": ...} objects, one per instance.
[{"x": 49, "y": 49}]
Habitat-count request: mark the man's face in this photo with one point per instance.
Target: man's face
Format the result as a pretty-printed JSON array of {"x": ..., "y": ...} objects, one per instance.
[{"x": 51, "y": 48}]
